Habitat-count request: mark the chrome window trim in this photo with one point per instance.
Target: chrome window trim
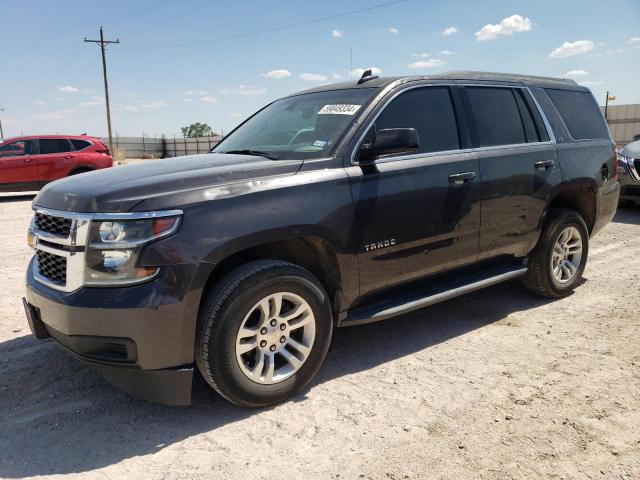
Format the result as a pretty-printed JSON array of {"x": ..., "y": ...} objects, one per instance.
[
  {"x": 79, "y": 237},
  {"x": 545, "y": 121}
]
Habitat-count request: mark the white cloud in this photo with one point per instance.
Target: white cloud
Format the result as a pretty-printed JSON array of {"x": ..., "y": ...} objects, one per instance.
[
  {"x": 393, "y": 30},
  {"x": 277, "y": 74},
  {"x": 313, "y": 77},
  {"x": 208, "y": 99},
  {"x": 449, "y": 31},
  {"x": 447, "y": 52},
  {"x": 590, "y": 83},
  {"x": 569, "y": 49},
  {"x": 337, "y": 33},
  {"x": 235, "y": 115},
  {"x": 244, "y": 90},
  {"x": 39, "y": 102},
  {"x": 188, "y": 92},
  {"x": 336, "y": 75},
  {"x": 422, "y": 55},
  {"x": 154, "y": 104},
  {"x": 92, "y": 102},
  {"x": 203, "y": 92},
  {"x": 357, "y": 72},
  {"x": 131, "y": 108},
  {"x": 67, "y": 89},
  {"x": 633, "y": 41},
  {"x": 507, "y": 27},
  {"x": 431, "y": 63},
  {"x": 188, "y": 100},
  {"x": 576, "y": 73}
]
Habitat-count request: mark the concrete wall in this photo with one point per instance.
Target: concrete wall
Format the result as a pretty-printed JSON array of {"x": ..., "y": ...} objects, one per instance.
[
  {"x": 136, "y": 147},
  {"x": 624, "y": 122}
]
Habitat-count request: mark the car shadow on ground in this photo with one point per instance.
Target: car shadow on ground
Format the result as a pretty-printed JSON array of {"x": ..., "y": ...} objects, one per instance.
[
  {"x": 630, "y": 215},
  {"x": 58, "y": 416}
]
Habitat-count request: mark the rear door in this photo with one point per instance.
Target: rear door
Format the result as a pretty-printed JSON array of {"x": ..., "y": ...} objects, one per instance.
[
  {"x": 518, "y": 167},
  {"x": 55, "y": 159},
  {"x": 18, "y": 170},
  {"x": 413, "y": 216}
]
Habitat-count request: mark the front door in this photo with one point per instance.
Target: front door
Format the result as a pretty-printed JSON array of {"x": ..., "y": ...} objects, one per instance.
[
  {"x": 18, "y": 169},
  {"x": 518, "y": 166},
  {"x": 416, "y": 214}
]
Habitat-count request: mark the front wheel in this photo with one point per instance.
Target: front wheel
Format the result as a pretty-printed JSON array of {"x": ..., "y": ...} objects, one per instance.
[
  {"x": 263, "y": 333},
  {"x": 556, "y": 264}
]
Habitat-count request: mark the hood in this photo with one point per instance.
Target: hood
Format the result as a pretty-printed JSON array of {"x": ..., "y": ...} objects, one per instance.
[
  {"x": 631, "y": 150},
  {"x": 119, "y": 189}
]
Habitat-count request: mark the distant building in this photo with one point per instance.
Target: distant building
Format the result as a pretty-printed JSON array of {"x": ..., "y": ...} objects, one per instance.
[{"x": 624, "y": 122}]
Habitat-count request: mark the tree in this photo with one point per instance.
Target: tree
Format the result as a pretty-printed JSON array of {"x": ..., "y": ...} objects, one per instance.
[{"x": 197, "y": 130}]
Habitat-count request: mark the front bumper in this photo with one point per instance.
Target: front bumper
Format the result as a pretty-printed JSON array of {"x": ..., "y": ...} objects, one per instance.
[
  {"x": 140, "y": 338},
  {"x": 630, "y": 186}
]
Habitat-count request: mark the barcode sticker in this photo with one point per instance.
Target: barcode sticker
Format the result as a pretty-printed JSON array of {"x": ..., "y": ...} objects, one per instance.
[{"x": 339, "y": 109}]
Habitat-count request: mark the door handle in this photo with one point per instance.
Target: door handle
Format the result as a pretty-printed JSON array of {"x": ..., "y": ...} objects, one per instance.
[
  {"x": 544, "y": 164},
  {"x": 27, "y": 160},
  {"x": 68, "y": 156},
  {"x": 461, "y": 178}
]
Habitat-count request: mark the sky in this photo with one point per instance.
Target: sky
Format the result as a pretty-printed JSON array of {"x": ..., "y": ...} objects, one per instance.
[{"x": 216, "y": 62}]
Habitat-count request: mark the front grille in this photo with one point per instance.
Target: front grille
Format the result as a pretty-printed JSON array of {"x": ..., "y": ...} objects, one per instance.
[
  {"x": 636, "y": 163},
  {"x": 54, "y": 225},
  {"x": 52, "y": 267}
]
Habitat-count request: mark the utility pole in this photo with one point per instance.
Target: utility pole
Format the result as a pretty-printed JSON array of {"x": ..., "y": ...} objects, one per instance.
[
  {"x": 103, "y": 44},
  {"x": 1, "y": 134},
  {"x": 606, "y": 103}
]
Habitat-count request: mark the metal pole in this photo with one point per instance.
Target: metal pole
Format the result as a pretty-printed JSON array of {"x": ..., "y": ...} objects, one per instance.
[
  {"x": 1, "y": 132},
  {"x": 197, "y": 145},
  {"x": 606, "y": 105},
  {"x": 175, "y": 148}
]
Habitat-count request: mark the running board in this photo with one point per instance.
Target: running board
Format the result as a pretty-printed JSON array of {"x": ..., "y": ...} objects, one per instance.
[{"x": 430, "y": 296}]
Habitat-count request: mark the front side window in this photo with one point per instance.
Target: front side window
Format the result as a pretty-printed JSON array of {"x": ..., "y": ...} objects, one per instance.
[
  {"x": 580, "y": 113},
  {"x": 430, "y": 111},
  {"x": 17, "y": 149},
  {"x": 496, "y": 115},
  {"x": 54, "y": 145},
  {"x": 300, "y": 127}
]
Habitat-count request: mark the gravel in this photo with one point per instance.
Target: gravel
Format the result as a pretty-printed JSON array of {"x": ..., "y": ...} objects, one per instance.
[{"x": 498, "y": 384}]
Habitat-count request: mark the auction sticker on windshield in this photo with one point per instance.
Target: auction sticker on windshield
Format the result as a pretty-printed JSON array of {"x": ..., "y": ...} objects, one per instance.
[{"x": 339, "y": 109}]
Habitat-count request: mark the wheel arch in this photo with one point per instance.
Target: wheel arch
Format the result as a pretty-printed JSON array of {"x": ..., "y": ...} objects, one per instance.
[
  {"x": 580, "y": 197},
  {"x": 80, "y": 169}
]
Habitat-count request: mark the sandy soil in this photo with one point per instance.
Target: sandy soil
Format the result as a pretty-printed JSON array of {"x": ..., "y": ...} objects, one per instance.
[{"x": 499, "y": 384}]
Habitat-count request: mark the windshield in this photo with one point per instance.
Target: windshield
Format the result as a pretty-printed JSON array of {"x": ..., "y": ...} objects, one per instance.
[{"x": 300, "y": 127}]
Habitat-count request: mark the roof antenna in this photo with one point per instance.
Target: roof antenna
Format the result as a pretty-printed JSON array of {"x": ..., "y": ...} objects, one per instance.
[{"x": 366, "y": 76}]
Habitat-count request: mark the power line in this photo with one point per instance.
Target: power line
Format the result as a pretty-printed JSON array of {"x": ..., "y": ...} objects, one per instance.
[
  {"x": 175, "y": 17},
  {"x": 103, "y": 44},
  {"x": 273, "y": 29},
  {"x": 137, "y": 13}
]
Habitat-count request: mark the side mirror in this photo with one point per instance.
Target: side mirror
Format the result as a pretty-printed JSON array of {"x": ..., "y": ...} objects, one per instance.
[{"x": 389, "y": 141}]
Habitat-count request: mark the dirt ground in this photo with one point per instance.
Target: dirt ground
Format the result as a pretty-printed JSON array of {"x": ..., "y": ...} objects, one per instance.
[{"x": 495, "y": 385}]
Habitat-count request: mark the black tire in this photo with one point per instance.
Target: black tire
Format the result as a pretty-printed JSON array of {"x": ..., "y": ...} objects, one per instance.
[
  {"x": 222, "y": 313},
  {"x": 539, "y": 278}
]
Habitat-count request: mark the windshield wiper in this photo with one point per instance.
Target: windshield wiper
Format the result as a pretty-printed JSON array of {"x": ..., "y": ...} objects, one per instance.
[{"x": 257, "y": 153}]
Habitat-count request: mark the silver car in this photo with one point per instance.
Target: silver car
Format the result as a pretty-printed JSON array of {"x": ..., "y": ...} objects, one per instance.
[{"x": 629, "y": 166}]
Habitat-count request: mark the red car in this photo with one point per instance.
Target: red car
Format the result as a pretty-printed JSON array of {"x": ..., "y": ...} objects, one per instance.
[{"x": 28, "y": 163}]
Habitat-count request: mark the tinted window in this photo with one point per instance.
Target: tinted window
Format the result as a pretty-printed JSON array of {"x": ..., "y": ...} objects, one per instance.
[
  {"x": 527, "y": 119},
  {"x": 580, "y": 113},
  {"x": 497, "y": 116},
  {"x": 17, "y": 149},
  {"x": 80, "y": 144},
  {"x": 430, "y": 112},
  {"x": 54, "y": 145}
]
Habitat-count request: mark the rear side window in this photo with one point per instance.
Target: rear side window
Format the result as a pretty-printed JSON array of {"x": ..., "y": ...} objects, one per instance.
[
  {"x": 80, "y": 144},
  {"x": 497, "y": 116},
  {"x": 54, "y": 145},
  {"x": 580, "y": 113},
  {"x": 429, "y": 110}
]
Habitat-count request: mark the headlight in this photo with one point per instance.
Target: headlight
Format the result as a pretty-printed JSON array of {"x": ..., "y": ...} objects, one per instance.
[
  {"x": 623, "y": 159},
  {"x": 115, "y": 246}
]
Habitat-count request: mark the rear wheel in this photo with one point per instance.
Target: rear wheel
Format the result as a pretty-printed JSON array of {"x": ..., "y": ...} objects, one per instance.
[
  {"x": 556, "y": 264},
  {"x": 263, "y": 333}
]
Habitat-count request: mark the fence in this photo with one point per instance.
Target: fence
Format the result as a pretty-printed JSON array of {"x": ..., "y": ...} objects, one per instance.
[
  {"x": 624, "y": 122},
  {"x": 162, "y": 147}
]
